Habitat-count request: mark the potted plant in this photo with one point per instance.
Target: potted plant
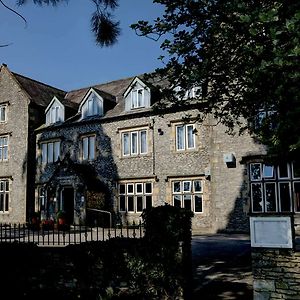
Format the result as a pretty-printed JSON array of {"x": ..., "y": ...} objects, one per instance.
[
  {"x": 34, "y": 221},
  {"x": 61, "y": 217}
]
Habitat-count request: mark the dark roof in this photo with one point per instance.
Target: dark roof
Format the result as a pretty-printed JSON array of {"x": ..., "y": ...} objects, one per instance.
[
  {"x": 114, "y": 88},
  {"x": 40, "y": 93}
]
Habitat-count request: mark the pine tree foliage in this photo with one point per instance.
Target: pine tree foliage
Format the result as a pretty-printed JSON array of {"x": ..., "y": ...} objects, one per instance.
[{"x": 105, "y": 29}]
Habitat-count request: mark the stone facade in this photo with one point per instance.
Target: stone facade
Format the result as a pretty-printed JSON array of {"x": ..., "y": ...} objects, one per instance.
[
  {"x": 22, "y": 115},
  {"x": 225, "y": 202},
  {"x": 94, "y": 186},
  {"x": 276, "y": 274}
]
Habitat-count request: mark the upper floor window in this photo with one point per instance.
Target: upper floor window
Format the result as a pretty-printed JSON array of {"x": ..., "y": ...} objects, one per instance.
[
  {"x": 3, "y": 112},
  {"x": 134, "y": 142},
  {"x": 275, "y": 188},
  {"x": 137, "y": 95},
  {"x": 135, "y": 196},
  {"x": 4, "y": 196},
  {"x": 55, "y": 112},
  {"x": 92, "y": 106},
  {"x": 188, "y": 194},
  {"x": 137, "y": 98},
  {"x": 185, "y": 137},
  {"x": 88, "y": 147},
  {"x": 50, "y": 151},
  {"x": 3, "y": 148}
]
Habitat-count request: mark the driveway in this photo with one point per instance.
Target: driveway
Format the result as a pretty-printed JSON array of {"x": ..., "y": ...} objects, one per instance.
[{"x": 222, "y": 267}]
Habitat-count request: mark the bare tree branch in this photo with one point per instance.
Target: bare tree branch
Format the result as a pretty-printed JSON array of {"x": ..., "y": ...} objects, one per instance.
[{"x": 15, "y": 12}]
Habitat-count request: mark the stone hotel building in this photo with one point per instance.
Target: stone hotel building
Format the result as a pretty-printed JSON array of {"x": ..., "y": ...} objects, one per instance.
[{"x": 103, "y": 154}]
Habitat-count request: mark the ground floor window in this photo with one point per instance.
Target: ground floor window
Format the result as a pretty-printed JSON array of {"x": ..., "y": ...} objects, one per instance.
[
  {"x": 275, "y": 188},
  {"x": 135, "y": 196},
  {"x": 4, "y": 196},
  {"x": 188, "y": 194}
]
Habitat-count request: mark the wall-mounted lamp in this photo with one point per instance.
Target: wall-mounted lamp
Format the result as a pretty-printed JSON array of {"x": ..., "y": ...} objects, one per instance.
[{"x": 160, "y": 132}]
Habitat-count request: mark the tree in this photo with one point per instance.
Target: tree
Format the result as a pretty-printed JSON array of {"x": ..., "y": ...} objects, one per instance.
[
  {"x": 245, "y": 56},
  {"x": 105, "y": 29}
]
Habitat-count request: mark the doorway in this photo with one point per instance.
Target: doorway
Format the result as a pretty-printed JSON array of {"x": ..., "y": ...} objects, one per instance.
[{"x": 67, "y": 203}]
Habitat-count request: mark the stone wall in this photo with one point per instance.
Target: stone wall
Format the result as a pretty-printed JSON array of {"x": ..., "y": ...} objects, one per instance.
[
  {"x": 16, "y": 128},
  {"x": 276, "y": 274}
]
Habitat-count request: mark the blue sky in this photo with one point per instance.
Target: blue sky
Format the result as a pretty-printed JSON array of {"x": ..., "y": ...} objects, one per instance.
[{"x": 58, "y": 48}]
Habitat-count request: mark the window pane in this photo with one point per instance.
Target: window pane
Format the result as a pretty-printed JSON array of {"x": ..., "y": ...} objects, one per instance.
[
  {"x": 177, "y": 200},
  {"x": 198, "y": 203},
  {"x": 130, "y": 189},
  {"x": 91, "y": 147},
  {"x": 283, "y": 171},
  {"x": 187, "y": 202},
  {"x": 143, "y": 141},
  {"x": 134, "y": 143},
  {"x": 126, "y": 149},
  {"x": 122, "y": 206},
  {"x": 5, "y": 152},
  {"x": 190, "y": 137},
  {"x": 270, "y": 196},
  {"x": 187, "y": 186},
  {"x": 197, "y": 186},
  {"x": 56, "y": 150},
  {"x": 176, "y": 187},
  {"x": 296, "y": 169},
  {"x": 1, "y": 202},
  {"x": 268, "y": 171},
  {"x": 180, "y": 141},
  {"x": 6, "y": 202},
  {"x": 284, "y": 196},
  {"x": 44, "y": 153},
  {"x": 148, "y": 201},
  {"x": 148, "y": 188},
  {"x": 130, "y": 203},
  {"x": 140, "y": 98},
  {"x": 139, "y": 188},
  {"x": 50, "y": 152},
  {"x": 134, "y": 100},
  {"x": 297, "y": 196},
  {"x": 139, "y": 203},
  {"x": 122, "y": 189},
  {"x": 256, "y": 196},
  {"x": 85, "y": 148},
  {"x": 255, "y": 171}
]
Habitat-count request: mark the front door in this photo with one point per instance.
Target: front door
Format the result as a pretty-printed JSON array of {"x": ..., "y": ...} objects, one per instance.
[{"x": 67, "y": 195}]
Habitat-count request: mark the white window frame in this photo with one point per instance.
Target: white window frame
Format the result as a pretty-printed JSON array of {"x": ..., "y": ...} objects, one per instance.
[
  {"x": 89, "y": 153},
  {"x": 129, "y": 146},
  {"x": 4, "y": 148},
  {"x": 4, "y": 195},
  {"x": 3, "y": 113},
  {"x": 54, "y": 114},
  {"x": 134, "y": 195},
  {"x": 56, "y": 151},
  {"x": 278, "y": 181},
  {"x": 191, "y": 192},
  {"x": 185, "y": 137},
  {"x": 136, "y": 105}
]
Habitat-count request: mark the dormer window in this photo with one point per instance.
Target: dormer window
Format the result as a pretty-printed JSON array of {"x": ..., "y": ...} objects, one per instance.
[
  {"x": 137, "y": 98},
  {"x": 54, "y": 115},
  {"x": 137, "y": 95},
  {"x": 92, "y": 105},
  {"x": 55, "y": 112}
]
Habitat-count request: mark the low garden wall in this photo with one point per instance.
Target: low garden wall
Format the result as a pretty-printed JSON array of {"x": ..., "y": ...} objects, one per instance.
[
  {"x": 276, "y": 274},
  {"x": 157, "y": 266}
]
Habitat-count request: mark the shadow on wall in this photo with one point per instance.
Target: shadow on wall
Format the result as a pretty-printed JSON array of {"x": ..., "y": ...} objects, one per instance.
[
  {"x": 238, "y": 219},
  {"x": 86, "y": 164}
]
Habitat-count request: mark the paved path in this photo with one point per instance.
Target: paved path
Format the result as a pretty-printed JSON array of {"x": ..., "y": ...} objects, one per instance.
[{"x": 222, "y": 267}]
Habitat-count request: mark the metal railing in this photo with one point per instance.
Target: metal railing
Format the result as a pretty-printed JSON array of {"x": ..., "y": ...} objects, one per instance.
[{"x": 65, "y": 234}]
